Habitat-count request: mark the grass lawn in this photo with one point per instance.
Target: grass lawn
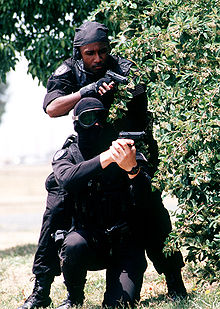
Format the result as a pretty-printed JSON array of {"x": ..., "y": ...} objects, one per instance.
[{"x": 16, "y": 285}]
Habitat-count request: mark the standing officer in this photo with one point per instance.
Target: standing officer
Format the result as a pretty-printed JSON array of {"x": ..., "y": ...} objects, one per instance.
[
  {"x": 78, "y": 77},
  {"x": 101, "y": 236}
]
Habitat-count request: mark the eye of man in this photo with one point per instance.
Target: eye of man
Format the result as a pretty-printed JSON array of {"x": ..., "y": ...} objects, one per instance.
[
  {"x": 100, "y": 52},
  {"x": 89, "y": 52}
]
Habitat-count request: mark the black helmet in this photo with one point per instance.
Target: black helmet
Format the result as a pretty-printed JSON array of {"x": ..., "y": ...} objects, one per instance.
[{"x": 88, "y": 111}]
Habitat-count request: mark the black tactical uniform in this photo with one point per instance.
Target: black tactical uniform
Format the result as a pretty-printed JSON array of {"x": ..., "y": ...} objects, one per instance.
[
  {"x": 106, "y": 203},
  {"x": 102, "y": 236},
  {"x": 46, "y": 263},
  {"x": 70, "y": 77},
  {"x": 57, "y": 216}
]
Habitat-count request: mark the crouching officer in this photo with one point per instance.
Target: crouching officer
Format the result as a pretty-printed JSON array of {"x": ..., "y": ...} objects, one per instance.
[{"x": 101, "y": 237}]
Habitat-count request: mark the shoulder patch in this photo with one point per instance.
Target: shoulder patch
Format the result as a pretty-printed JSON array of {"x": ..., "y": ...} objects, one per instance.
[
  {"x": 61, "y": 70},
  {"x": 60, "y": 154}
]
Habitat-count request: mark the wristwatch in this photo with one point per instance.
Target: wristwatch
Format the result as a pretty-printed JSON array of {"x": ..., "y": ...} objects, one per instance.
[{"x": 134, "y": 170}]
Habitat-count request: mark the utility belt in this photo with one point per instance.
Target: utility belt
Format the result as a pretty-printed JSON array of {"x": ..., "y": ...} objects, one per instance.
[
  {"x": 119, "y": 232},
  {"x": 120, "y": 228},
  {"x": 108, "y": 239}
]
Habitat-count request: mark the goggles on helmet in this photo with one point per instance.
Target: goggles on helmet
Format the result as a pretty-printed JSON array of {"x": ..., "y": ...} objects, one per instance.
[{"x": 89, "y": 117}]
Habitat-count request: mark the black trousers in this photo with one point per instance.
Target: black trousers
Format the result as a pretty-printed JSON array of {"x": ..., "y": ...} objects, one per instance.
[
  {"x": 56, "y": 217},
  {"x": 154, "y": 224},
  {"x": 123, "y": 260},
  {"x": 156, "y": 227}
]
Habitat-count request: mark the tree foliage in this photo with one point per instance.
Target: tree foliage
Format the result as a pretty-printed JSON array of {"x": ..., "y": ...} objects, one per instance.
[
  {"x": 175, "y": 45},
  {"x": 42, "y": 30}
]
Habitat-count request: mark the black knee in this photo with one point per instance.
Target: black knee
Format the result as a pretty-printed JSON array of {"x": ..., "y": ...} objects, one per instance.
[{"x": 74, "y": 249}]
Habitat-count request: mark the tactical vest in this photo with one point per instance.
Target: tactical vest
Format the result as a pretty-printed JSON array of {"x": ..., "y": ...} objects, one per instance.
[{"x": 104, "y": 201}]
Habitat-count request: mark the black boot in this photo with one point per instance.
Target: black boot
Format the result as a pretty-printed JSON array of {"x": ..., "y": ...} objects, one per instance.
[
  {"x": 175, "y": 285},
  {"x": 66, "y": 304},
  {"x": 74, "y": 298},
  {"x": 40, "y": 295}
]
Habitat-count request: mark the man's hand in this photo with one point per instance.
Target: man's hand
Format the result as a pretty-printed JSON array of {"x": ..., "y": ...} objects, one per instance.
[
  {"x": 123, "y": 152},
  {"x": 88, "y": 91},
  {"x": 102, "y": 86}
]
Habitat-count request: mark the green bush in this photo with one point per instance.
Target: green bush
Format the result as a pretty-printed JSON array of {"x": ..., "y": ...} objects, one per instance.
[{"x": 175, "y": 46}]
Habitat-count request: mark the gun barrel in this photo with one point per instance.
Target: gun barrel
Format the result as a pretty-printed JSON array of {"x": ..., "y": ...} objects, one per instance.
[{"x": 131, "y": 135}]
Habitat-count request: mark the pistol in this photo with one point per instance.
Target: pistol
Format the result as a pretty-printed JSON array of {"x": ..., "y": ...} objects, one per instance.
[
  {"x": 117, "y": 77},
  {"x": 135, "y": 136}
]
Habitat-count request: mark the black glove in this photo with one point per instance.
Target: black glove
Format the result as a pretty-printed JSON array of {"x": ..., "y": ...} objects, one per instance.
[
  {"x": 99, "y": 82},
  {"x": 93, "y": 88},
  {"x": 88, "y": 91}
]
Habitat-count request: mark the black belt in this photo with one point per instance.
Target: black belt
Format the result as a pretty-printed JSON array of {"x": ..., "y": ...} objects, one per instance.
[{"x": 122, "y": 228}]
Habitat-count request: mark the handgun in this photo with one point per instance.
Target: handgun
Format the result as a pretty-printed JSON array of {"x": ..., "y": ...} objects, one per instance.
[
  {"x": 117, "y": 77},
  {"x": 135, "y": 136}
]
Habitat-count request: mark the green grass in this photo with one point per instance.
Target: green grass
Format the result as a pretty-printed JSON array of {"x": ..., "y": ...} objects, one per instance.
[{"x": 16, "y": 286}]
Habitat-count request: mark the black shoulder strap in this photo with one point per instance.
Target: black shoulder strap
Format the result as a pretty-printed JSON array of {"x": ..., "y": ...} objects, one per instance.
[{"x": 70, "y": 139}]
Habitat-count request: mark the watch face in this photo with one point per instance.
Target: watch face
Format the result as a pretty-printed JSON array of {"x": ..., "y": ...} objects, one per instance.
[{"x": 134, "y": 170}]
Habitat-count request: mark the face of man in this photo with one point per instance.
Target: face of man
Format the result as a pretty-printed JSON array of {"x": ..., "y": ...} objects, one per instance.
[{"x": 95, "y": 56}]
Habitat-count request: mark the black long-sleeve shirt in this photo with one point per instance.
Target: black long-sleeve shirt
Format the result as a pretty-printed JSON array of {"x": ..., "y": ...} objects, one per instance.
[{"x": 102, "y": 196}]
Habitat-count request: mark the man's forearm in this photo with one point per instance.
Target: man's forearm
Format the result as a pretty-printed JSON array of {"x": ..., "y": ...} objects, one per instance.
[
  {"x": 62, "y": 105},
  {"x": 75, "y": 175}
]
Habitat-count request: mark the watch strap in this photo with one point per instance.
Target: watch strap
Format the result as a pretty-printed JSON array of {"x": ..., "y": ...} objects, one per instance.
[{"x": 134, "y": 170}]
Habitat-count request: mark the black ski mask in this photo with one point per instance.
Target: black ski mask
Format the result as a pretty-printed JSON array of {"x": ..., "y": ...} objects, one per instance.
[{"x": 89, "y": 117}]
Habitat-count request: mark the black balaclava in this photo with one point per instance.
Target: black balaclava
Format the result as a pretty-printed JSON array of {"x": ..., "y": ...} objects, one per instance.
[
  {"x": 95, "y": 139},
  {"x": 90, "y": 32}
]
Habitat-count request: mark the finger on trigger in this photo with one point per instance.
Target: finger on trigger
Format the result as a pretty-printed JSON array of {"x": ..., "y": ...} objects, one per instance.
[
  {"x": 126, "y": 142},
  {"x": 119, "y": 148},
  {"x": 114, "y": 150},
  {"x": 102, "y": 89}
]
